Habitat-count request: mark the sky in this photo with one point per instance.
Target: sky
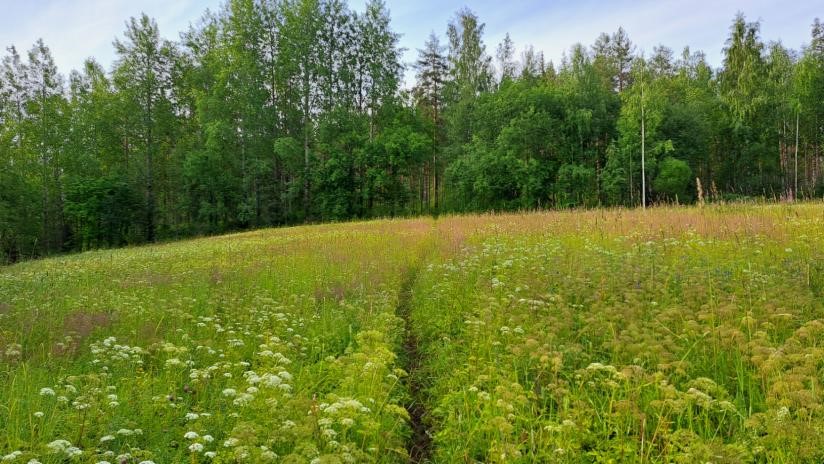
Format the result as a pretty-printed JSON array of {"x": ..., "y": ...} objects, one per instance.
[{"x": 78, "y": 29}]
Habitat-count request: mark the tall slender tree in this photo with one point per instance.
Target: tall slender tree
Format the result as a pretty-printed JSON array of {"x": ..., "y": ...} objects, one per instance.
[
  {"x": 432, "y": 76},
  {"x": 505, "y": 55},
  {"x": 143, "y": 76},
  {"x": 46, "y": 110}
]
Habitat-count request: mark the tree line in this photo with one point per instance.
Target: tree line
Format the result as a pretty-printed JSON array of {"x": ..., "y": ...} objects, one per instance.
[{"x": 277, "y": 112}]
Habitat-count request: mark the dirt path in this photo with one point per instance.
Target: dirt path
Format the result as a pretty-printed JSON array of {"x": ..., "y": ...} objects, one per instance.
[{"x": 420, "y": 444}]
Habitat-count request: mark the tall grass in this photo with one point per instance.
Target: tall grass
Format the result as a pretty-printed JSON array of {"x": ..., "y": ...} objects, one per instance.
[{"x": 670, "y": 335}]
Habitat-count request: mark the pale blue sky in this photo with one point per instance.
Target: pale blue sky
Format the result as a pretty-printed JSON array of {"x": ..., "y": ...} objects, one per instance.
[{"x": 76, "y": 29}]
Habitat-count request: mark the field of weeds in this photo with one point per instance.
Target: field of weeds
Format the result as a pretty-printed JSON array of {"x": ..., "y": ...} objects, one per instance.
[{"x": 669, "y": 335}]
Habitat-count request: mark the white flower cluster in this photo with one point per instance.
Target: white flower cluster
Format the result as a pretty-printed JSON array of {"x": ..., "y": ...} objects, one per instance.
[
  {"x": 64, "y": 447},
  {"x": 13, "y": 350},
  {"x": 11, "y": 456},
  {"x": 110, "y": 351}
]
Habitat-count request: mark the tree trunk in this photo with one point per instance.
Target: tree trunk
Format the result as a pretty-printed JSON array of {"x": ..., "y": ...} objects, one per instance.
[
  {"x": 306, "y": 149},
  {"x": 150, "y": 195}
]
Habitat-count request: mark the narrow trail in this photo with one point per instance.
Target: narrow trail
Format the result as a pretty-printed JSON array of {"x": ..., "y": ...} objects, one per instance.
[{"x": 420, "y": 444}]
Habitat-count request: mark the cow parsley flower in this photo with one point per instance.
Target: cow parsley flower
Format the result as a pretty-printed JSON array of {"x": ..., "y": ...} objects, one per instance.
[
  {"x": 231, "y": 442},
  {"x": 58, "y": 446},
  {"x": 11, "y": 456},
  {"x": 196, "y": 447}
]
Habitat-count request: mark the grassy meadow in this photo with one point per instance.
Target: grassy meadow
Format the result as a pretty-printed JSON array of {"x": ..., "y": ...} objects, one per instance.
[{"x": 672, "y": 335}]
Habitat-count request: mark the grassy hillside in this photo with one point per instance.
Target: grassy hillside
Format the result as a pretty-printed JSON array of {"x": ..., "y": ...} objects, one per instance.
[{"x": 671, "y": 335}]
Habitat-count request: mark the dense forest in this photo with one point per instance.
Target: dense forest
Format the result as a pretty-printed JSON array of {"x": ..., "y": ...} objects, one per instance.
[{"x": 275, "y": 112}]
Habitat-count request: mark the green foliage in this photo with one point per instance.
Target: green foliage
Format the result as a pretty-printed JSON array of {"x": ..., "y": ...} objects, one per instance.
[
  {"x": 576, "y": 186},
  {"x": 194, "y": 351},
  {"x": 19, "y": 215},
  {"x": 673, "y": 179},
  {"x": 102, "y": 211},
  {"x": 626, "y": 337},
  {"x": 275, "y": 112}
]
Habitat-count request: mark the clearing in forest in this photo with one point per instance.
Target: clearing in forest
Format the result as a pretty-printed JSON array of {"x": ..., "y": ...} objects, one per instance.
[{"x": 667, "y": 335}]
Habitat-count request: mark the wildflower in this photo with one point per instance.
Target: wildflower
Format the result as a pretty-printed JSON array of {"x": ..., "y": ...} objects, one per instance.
[
  {"x": 13, "y": 350},
  {"x": 190, "y": 416},
  {"x": 229, "y": 392},
  {"x": 210, "y": 454},
  {"x": 325, "y": 421},
  {"x": 191, "y": 435},
  {"x": 208, "y": 438},
  {"x": 106, "y": 438},
  {"x": 46, "y": 391},
  {"x": 231, "y": 442},
  {"x": 196, "y": 447},
  {"x": 80, "y": 405},
  {"x": 271, "y": 380},
  {"x": 58, "y": 446},
  {"x": 11, "y": 456},
  {"x": 243, "y": 399},
  {"x": 39, "y": 414}
]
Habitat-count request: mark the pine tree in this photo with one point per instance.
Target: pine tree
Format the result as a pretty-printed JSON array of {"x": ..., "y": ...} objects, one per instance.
[{"x": 431, "y": 68}]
